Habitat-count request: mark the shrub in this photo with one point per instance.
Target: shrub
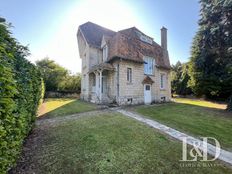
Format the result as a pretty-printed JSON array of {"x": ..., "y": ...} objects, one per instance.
[{"x": 20, "y": 94}]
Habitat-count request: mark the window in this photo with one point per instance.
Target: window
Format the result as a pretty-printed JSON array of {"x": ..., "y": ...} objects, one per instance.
[
  {"x": 105, "y": 53},
  {"x": 162, "y": 78},
  {"x": 129, "y": 75},
  {"x": 148, "y": 65},
  {"x": 147, "y": 87},
  {"x": 144, "y": 38}
]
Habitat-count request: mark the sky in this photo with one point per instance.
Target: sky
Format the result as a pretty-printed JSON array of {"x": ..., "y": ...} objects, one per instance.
[{"x": 49, "y": 27}]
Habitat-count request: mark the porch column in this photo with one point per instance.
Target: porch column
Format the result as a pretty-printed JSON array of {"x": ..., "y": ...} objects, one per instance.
[
  {"x": 97, "y": 83},
  {"x": 100, "y": 86}
]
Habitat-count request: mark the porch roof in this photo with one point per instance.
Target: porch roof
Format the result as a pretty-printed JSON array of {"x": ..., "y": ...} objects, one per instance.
[
  {"x": 102, "y": 66},
  {"x": 147, "y": 80}
]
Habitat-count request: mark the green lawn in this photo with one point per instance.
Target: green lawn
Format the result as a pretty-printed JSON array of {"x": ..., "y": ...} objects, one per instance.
[
  {"x": 64, "y": 106},
  {"x": 202, "y": 103},
  {"x": 107, "y": 143},
  {"x": 196, "y": 117}
]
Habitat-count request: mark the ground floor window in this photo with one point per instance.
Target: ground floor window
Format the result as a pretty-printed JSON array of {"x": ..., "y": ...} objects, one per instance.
[
  {"x": 162, "y": 79},
  {"x": 129, "y": 75}
]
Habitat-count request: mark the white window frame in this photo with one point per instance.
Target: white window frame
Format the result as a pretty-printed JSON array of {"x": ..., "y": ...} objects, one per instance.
[
  {"x": 149, "y": 65},
  {"x": 129, "y": 75},
  {"x": 162, "y": 81},
  {"x": 105, "y": 52}
]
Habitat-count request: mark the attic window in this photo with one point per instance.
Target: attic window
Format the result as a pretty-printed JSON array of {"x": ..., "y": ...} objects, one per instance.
[{"x": 144, "y": 38}]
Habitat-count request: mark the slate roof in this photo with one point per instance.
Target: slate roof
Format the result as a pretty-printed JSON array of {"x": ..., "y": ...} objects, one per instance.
[
  {"x": 125, "y": 44},
  {"x": 93, "y": 33}
]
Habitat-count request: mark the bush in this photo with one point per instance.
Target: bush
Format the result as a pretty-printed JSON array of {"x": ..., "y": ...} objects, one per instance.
[{"x": 20, "y": 94}]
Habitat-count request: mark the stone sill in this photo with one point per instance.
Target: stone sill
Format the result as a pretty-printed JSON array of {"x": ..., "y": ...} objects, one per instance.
[{"x": 150, "y": 75}]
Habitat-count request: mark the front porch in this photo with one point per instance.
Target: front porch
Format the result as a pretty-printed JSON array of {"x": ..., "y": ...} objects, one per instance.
[{"x": 100, "y": 80}]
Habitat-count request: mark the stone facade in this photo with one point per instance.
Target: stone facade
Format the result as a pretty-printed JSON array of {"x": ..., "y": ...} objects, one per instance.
[
  {"x": 108, "y": 83},
  {"x": 135, "y": 89}
]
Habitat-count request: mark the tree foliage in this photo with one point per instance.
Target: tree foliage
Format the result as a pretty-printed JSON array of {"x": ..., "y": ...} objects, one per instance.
[
  {"x": 211, "y": 54},
  {"x": 71, "y": 83},
  {"x": 180, "y": 79},
  {"x": 52, "y": 73},
  {"x": 57, "y": 78},
  {"x": 20, "y": 94}
]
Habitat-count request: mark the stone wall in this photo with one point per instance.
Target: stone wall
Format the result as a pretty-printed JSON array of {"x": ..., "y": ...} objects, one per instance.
[{"x": 133, "y": 93}]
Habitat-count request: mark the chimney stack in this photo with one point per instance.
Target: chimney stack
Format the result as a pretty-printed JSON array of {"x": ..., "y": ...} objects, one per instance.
[{"x": 164, "y": 38}]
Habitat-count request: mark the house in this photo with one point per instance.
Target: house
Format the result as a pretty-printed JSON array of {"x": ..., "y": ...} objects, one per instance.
[{"x": 123, "y": 67}]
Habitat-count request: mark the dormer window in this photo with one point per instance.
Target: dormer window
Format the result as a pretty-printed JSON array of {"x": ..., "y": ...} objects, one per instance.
[
  {"x": 105, "y": 53},
  {"x": 144, "y": 38}
]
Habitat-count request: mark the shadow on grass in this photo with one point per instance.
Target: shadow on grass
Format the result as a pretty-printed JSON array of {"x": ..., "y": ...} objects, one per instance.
[{"x": 62, "y": 107}]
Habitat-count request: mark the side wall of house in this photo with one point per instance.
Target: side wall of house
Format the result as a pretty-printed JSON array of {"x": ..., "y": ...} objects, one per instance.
[
  {"x": 133, "y": 93},
  {"x": 84, "y": 55}
]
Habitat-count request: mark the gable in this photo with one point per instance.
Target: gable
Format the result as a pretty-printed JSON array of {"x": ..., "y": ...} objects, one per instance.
[
  {"x": 82, "y": 44},
  {"x": 93, "y": 33}
]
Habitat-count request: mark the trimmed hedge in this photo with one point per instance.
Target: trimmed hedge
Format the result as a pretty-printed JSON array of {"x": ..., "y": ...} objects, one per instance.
[{"x": 21, "y": 90}]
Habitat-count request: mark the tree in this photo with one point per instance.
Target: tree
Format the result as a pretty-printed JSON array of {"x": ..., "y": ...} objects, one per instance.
[
  {"x": 180, "y": 78},
  {"x": 71, "y": 83},
  {"x": 57, "y": 78},
  {"x": 53, "y": 74},
  {"x": 211, "y": 54}
]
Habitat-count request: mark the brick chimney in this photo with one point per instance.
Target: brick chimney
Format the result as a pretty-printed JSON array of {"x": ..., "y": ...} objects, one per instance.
[{"x": 164, "y": 38}]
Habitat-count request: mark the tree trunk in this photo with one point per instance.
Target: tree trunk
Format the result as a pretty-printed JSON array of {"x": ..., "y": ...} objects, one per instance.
[{"x": 229, "y": 105}]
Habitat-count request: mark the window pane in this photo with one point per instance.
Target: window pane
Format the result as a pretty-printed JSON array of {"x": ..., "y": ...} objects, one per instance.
[
  {"x": 148, "y": 65},
  {"x": 162, "y": 81},
  {"x": 129, "y": 74},
  {"x": 147, "y": 87}
]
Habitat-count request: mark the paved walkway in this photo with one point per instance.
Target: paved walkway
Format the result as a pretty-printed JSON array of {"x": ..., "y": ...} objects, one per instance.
[{"x": 225, "y": 156}]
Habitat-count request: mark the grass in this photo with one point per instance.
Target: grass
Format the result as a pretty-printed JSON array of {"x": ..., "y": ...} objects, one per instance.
[
  {"x": 106, "y": 143},
  {"x": 202, "y": 103},
  {"x": 54, "y": 107},
  {"x": 195, "y": 117}
]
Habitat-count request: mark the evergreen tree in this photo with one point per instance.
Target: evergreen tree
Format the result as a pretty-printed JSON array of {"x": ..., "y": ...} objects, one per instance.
[
  {"x": 180, "y": 78},
  {"x": 211, "y": 54}
]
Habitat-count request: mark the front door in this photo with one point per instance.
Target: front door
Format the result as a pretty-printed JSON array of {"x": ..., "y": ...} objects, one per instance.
[{"x": 147, "y": 94}]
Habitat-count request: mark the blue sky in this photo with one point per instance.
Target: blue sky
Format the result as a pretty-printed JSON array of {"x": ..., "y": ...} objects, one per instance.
[{"x": 49, "y": 26}]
